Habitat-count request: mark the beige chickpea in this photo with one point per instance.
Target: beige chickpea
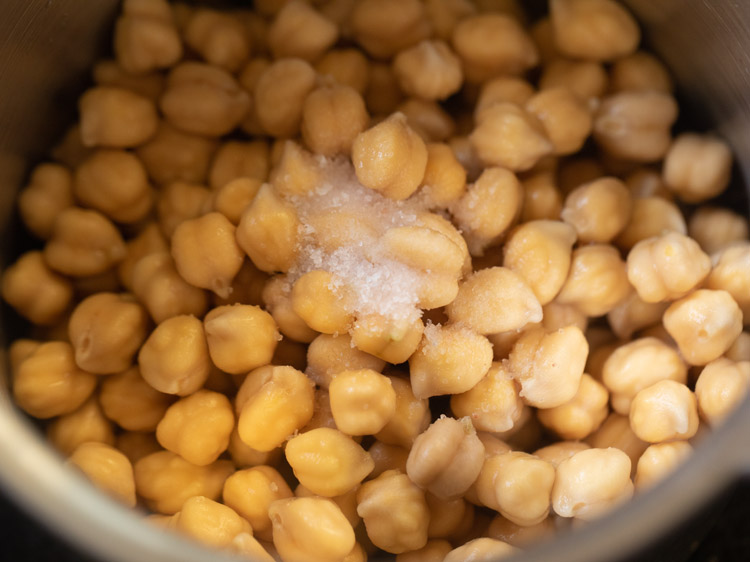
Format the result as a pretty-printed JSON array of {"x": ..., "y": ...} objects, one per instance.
[
  {"x": 296, "y": 172},
  {"x": 234, "y": 197},
  {"x": 503, "y": 89},
  {"x": 560, "y": 451},
  {"x": 238, "y": 159},
  {"x": 633, "y": 314},
  {"x": 598, "y": 210},
  {"x": 659, "y": 461},
  {"x": 507, "y": 135},
  {"x": 390, "y": 158},
  {"x": 268, "y": 231},
  {"x": 428, "y": 119},
  {"x": 704, "y": 324},
  {"x": 86, "y": 424},
  {"x": 597, "y": 281},
  {"x": 276, "y": 295},
  {"x": 519, "y": 536},
  {"x": 640, "y": 71},
  {"x": 210, "y": 522},
  {"x": 299, "y": 30},
  {"x": 383, "y": 93},
  {"x": 731, "y": 272},
  {"x": 384, "y": 27},
  {"x": 720, "y": 387},
  {"x": 327, "y": 462},
  {"x": 49, "y": 191},
  {"x": 636, "y": 125},
  {"x": 446, "y": 459},
  {"x": 173, "y": 155},
  {"x": 651, "y": 216},
  {"x": 434, "y": 551},
  {"x": 332, "y": 117},
  {"x": 697, "y": 167},
  {"x": 107, "y": 282},
  {"x": 388, "y": 457},
  {"x": 495, "y": 300},
  {"x": 166, "y": 481},
  {"x": 174, "y": 359},
  {"x": 279, "y": 95},
  {"x": 106, "y": 331},
  {"x": 582, "y": 415},
  {"x": 312, "y": 529},
  {"x": 558, "y": 316},
  {"x": 328, "y": 355},
  {"x": 394, "y": 511},
  {"x": 148, "y": 241},
  {"x": 449, "y": 360},
  {"x": 19, "y": 350},
  {"x": 348, "y": 67},
  {"x": 115, "y": 117},
  {"x": 146, "y": 37},
  {"x": 48, "y": 383},
  {"x": 178, "y": 202},
  {"x": 203, "y": 99},
  {"x": 715, "y": 228},
  {"x": 542, "y": 199},
  {"x": 738, "y": 351},
  {"x": 161, "y": 289},
  {"x": 129, "y": 401},
  {"x": 447, "y": 516},
  {"x": 518, "y": 485},
  {"x": 491, "y": 44},
  {"x": 135, "y": 444},
  {"x": 272, "y": 403},
  {"x": 219, "y": 38},
  {"x": 319, "y": 299},
  {"x": 445, "y": 15},
  {"x": 362, "y": 401},
  {"x": 566, "y": 118},
  {"x": 83, "y": 243},
  {"x": 481, "y": 549},
  {"x": 108, "y": 72},
  {"x": 444, "y": 179},
  {"x": 390, "y": 339},
  {"x": 600, "y": 30},
  {"x": 35, "y": 291},
  {"x": 107, "y": 468},
  {"x": 411, "y": 418},
  {"x": 548, "y": 366},
  {"x": 664, "y": 411},
  {"x": 429, "y": 70},
  {"x": 646, "y": 181},
  {"x": 493, "y": 404},
  {"x": 69, "y": 151},
  {"x": 586, "y": 79},
  {"x": 616, "y": 432},
  {"x": 591, "y": 482},
  {"x": 244, "y": 456}
]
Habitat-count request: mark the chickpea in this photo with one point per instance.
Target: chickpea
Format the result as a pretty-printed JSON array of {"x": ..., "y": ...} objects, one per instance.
[
  {"x": 219, "y": 38},
  {"x": 146, "y": 37},
  {"x": 444, "y": 16},
  {"x": 383, "y": 93},
  {"x": 651, "y": 216},
  {"x": 203, "y": 99},
  {"x": 388, "y": 457},
  {"x": 394, "y": 511},
  {"x": 503, "y": 89},
  {"x": 385, "y": 27},
  {"x": 598, "y": 210},
  {"x": 135, "y": 445},
  {"x": 210, "y": 522},
  {"x": 616, "y": 432},
  {"x": 493, "y": 404},
  {"x": 229, "y": 329},
  {"x": 362, "y": 401},
  {"x": 115, "y": 117},
  {"x": 586, "y": 79},
  {"x": 279, "y": 95},
  {"x": 558, "y": 316},
  {"x": 172, "y": 155},
  {"x": 312, "y": 529},
  {"x": 428, "y": 119},
  {"x": 320, "y": 300},
  {"x": 272, "y": 403},
  {"x": 429, "y": 70},
  {"x": 128, "y": 400},
  {"x": 715, "y": 229},
  {"x": 600, "y": 30},
  {"x": 548, "y": 366},
  {"x": 704, "y": 324},
  {"x": 597, "y": 280},
  {"x": 148, "y": 241},
  {"x": 48, "y": 383},
  {"x": 234, "y": 197},
  {"x": 236, "y": 159},
  {"x": 108, "y": 72},
  {"x": 86, "y": 424},
  {"x": 178, "y": 202},
  {"x": 560, "y": 451},
  {"x": 166, "y": 481},
  {"x": 659, "y": 461},
  {"x": 434, "y": 551},
  {"x": 411, "y": 418},
  {"x": 298, "y": 30},
  {"x": 247, "y": 545},
  {"x": 647, "y": 182},
  {"x": 346, "y": 502},
  {"x": 720, "y": 387},
  {"x": 433, "y": 246},
  {"x": 328, "y": 462},
  {"x": 493, "y": 44},
  {"x": 582, "y": 415},
  {"x": 48, "y": 193},
  {"x": 635, "y": 125},
  {"x": 277, "y": 298},
  {"x": 328, "y": 355},
  {"x": 542, "y": 199},
  {"x": 332, "y": 117},
  {"x": 297, "y": 171},
  {"x": 637, "y": 365},
  {"x": 731, "y": 273},
  {"x": 697, "y": 167},
  {"x": 448, "y": 517},
  {"x": 507, "y": 135},
  {"x": 516, "y": 535},
  {"x": 83, "y": 243},
  {"x": 483, "y": 548},
  {"x": 633, "y": 314},
  {"x": 640, "y": 71},
  {"x": 739, "y": 350},
  {"x": 566, "y": 118},
  {"x": 35, "y": 291},
  {"x": 348, "y": 67},
  {"x": 664, "y": 411},
  {"x": 446, "y": 458},
  {"x": 390, "y": 158},
  {"x": 244, "y": 456},
  {"x": 107, "y": 468},
  {"x": 389, "y": 339},
  {"x": 174, "y": 359}
]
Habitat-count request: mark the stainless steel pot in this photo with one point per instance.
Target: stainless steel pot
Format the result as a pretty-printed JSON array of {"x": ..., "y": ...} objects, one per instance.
[{"x": 46, "y": 47}]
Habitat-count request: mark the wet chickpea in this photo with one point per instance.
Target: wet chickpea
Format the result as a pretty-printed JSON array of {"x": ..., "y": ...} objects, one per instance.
[
  {"x": 598, "y": 210},
  {"x": 444, "y": 180},
  {"x": 447, "y": 517},
  {"x": 493, "y": 404},
  {"x": 560, "y": 451},
  {"x": 640, "y": 71},
  {"x": 557, "y": 316},
  {"x": 328, "y": 355},
  {"x": 279, "y": 95},
  {"x": 120, "y": 392},
  {"x": 276, "y": 296},
  {"x": 388, "y": 457},
  {"x": 664, "y": 411},
  {"x": 244, "y": 456},
  {"x": 319, "y": 300},
  {"x": 298, "y": 30},
  {"x": 411, "y": 418},
  {"x": 586, "y": 79},
  {"x": 503, "y": 89},
  {"x": 238, "y": 159},
  {"x": 697, "y": 167},
  {"x": 86, "y": 424},
  {"x": 209, "y": 522},
  {"x": 633, "y": 314},
  {"x": 362, "y": 401},
  {"x": 383, "y": 93},
  {"x": 391, "y": 340},
  {"x": 646, "y": 182},
  {"x": 384, "y": 27},
  {"x": 346, "y": 502},
  {"x": 616, "y": 432},
  {"x": 429, "y": 70},
  {"x": 332, "y": 117},
  {"x": 296, "y": 171},
  {"x": 146, "y": 37},
  {"x": 234, "y": 197},
  {"x": 659, "y": 461},
  {"x": 566, "y": 118},
  {"x": 582, "y": 415},
  {"x": 715, "y": 228},
  {"x": 483, "y": 548},
  {"x": 107, "y": 468},
  {"x": 704, "y": 324},
  {"x": 348, "y": 67},
  {"x": 428, "y": 119},
  {"x": 218, "y": 38},
  {"x": 738, "y": 351},
  {"x": 542, "y": 199},
  {"x": 108, "y": 72},
  {"x": 179, "y": 201},
  {"x": 148, "y": 241},
  {"x": 115, "y": 117},
  {"x": 720, "y": 387},
  {"x": 651, "y": 216},
  {"x": 135, "y": 444},
  {"x": 434, "y": 551},
  {"x": 519, "y": 536},
  {"x": 49, "y": 191},
  {"x": 731, "y": 272}
]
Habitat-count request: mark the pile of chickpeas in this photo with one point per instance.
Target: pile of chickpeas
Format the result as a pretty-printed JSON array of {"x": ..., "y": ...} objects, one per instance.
[{"x": 334, "y": 279}]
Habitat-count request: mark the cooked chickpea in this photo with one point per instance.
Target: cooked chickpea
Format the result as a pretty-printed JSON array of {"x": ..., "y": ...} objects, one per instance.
[
  {"x": 651, "y": 216},
  {"x": 135, "y": 444},
  {"x": 108, "y": 72},
  {"x": 299, "y": 30},
  {"x": 362, "y": 401},
  {"x": 636, "y": 125},
  {"x": 704, "y": 324},
  {"x": 166, "y": 480},
  {"x": 148, "y": 241},
  {"x": 219, "y": 38},
  {"x": 311, "y": 529},
  {"x": 640, "y": 71},
  {"x": 179, "y": 201},
  {"x": 597, "y": 281},
  {"x": 234, "y": 197},
  {"x": 600, "y": 30},
  {"x": 390, "y": 158},
  {"x": 429, "y": 70},
  {"x": 633, "y": 314},
  {"x": 244, "y": 456},
  {"x": 83, "y": 243},
  {"x": 580, "y": 416},
  {"x": 320, "y": 300},
  {"x": 697, "y": 167},
  {"x": 239, "y": 159},
  {"x": 332, "y": 117},
  {"x": 107, "y": 468},
  {"x": 586, "y": 79},
  {"x": 348, "y": 67},
  {"x": 637, "y": 365},
  {"x": 392, "y": 340},
  {"x": 86, "y": 424},
  {"x": 731, "y": 273},
  {"x": 428, "y": 119},
  {"x": 646, "y": 181},
  {"x": 448, "y": 517},
  {"x": 129, "y": 401},
  {"x": 560, "y": 451},
  {"x": 548, "y": 366},
  {"x": 664, "y": 411},
  {"x": 715, "y": 229},
  {"x": 276, "y": 295},
  {"x": 388, "y": 457},
  {"x": 146, "y": 37},
  {"x": 481, "y": 549},
  {"x": 493, "y": 404},
  {"x": 659, "y": 461},
  {"x": 48, "y": 383},
  {"x": 272, "y": 403},
  {"x": 542, "y": 199},
  {"x": 383, "y": 93},
  {"x": 598, "y": 210},
  {"x": 384, "y": 27},
  {"x": 434, "y": 551},
  {"x": 720, "y": 387},
  {"x": 115, "y": 117},
  {"x": 566, "y": 118},
  {"x": 210, "y": 522},
  {"x": 503, "y": 89},
  {"x": 279, "y": 95},
  {"x": 48, "y": 193},
  {"x": 328, "y": 355},
  {"x": 616, "y": 432},
  {"x": 240, "y": 337},
  {"x": 174, "y": 359},
  {"x": 444, "y": 179},
  {"x": 446, "y": 459},
  {"x": 738, "y": 351},
  {"x": 411, "y": 418}
]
